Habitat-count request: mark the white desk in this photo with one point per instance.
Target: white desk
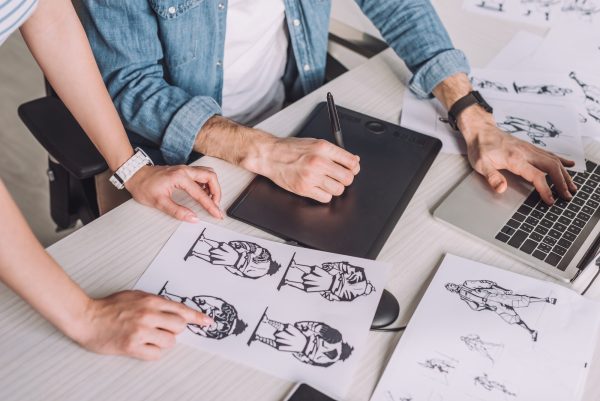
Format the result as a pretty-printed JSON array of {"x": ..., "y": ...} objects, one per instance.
[{"x": 39, "y": 363}]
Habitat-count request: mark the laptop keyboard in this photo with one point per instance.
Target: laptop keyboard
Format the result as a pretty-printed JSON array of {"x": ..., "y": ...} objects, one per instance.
[{"x": 554, "y": 233}]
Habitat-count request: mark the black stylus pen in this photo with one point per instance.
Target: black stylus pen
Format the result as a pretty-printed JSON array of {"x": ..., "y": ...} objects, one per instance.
[{"x": 334, "y": 119}]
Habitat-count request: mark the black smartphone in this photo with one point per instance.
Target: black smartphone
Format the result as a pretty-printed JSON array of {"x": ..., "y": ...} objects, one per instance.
[{"x": 304, "y": 392}]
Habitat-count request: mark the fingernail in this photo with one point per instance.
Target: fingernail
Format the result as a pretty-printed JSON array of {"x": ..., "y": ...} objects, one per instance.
[
  {"x": 206, "y": 321},
  {"x": 192, "y": 218}
]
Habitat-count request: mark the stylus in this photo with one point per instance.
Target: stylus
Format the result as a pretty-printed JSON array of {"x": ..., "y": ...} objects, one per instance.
[{"x": 334, "y": 119}]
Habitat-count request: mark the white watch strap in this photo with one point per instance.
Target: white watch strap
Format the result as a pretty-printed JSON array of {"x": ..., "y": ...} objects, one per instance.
[{"x": 130, "y": 167}]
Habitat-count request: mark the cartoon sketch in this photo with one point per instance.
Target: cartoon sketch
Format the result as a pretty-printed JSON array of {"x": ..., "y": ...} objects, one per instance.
[
  {"x": 225, "y": 316},
  {"x": 474, "y": 343},
  {"x": 486, "y": 84},
  {"x": 242, "y": 258},
  {"x": 550, "y": 90},
  {"x": 441, "y": 367},
  {"x": 491, "y": 385},
  {"x": 585, "y": 8},
  {"x": 482, "y": 295},
  {"x": 539, "y": 6},
  {"x": 335, "y": 281},
  {"x": 390, "y": 397},
  {"x": 438, "y": 365},
  {"x": 592, "y": 97},
  {"x": 535, "y": 132},
  {"x": 313, "y": 343},
  {"x": 494, "y": 5}
]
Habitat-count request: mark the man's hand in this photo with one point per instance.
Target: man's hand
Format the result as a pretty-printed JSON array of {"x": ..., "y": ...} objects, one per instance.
[
  {"x": 135, "y": 324},
  {"x": 154, "y": 186},
  {"x": 491, "y": 150},
  {"x": 309, "y": 167}
]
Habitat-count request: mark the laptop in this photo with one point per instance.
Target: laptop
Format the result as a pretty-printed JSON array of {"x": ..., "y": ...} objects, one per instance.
[{"x": 558, "y": 240}]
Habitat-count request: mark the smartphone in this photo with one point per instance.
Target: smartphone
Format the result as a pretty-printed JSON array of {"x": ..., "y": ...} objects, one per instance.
[{"x": 304, "y": 392}]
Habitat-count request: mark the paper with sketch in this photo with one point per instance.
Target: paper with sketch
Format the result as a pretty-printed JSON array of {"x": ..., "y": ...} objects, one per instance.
[
  {"x": 297, "y": 313},
  {"x": 482, "y": 333},
  {"x": 552, "y": 126},
  {"x": 538, "y": 12},
  {"x": 522, "y": 45},
  {"x": 532, "y": 85}
]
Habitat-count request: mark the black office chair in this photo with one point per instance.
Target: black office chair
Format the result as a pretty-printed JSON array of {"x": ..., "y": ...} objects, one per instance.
[{"x": 74, "y": 161}]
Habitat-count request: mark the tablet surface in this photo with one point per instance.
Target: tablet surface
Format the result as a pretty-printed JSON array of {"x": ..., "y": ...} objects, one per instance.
[{"x": 393, "y": 160}]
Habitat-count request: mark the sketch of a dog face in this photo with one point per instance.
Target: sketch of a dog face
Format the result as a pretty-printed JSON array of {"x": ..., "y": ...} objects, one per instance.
[{"x": 225, "y": 317}]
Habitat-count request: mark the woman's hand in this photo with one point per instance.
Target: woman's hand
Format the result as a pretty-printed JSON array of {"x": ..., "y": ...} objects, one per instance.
[
  {"x": 135, "y": 324},
  {"x": 154, "y": 185}
]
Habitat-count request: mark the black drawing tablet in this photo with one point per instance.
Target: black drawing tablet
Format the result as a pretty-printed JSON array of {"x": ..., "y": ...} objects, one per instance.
[{"x": 393, "y": 160}]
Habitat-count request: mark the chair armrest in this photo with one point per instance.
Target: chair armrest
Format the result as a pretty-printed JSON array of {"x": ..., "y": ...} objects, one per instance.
[{"x": 59, "y": 133}]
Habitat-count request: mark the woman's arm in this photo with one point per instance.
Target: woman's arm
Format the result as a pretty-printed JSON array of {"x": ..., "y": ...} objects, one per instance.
[
  {"x": 127, "y": 323},
  {"x": 58, "y": 43}
]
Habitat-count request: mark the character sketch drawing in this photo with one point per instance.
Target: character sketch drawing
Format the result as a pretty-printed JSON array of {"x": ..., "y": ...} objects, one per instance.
[
  {"x": 494, "y": 5},
  {"x": 224, "y": 315},
  {"x": 549, "y": 90},
  {"x": 242, "y": 258},
  {"x": 491, "y": 385},
  {"x": 390, "y": 397},
  {"x": 583, "y": 8},
  {"x": 487, "y": 84},
  {"x": 334, "y": 281},
  {"x": 543, "y": 7},
  {"x": 310, "y": 342},
  {"x": 486, "y": 295},
  {"x": 592, "y": 97},
  {"x": 536, "y": 132},
  {"x": 441, "y": 367},
  {"x": 486, "y": 349}
]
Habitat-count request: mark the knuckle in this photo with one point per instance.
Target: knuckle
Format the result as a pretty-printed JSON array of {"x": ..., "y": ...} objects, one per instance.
[{"x": 322, "y": 145}]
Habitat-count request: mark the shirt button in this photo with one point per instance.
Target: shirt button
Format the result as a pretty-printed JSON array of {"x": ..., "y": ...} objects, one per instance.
[
  {"x": 306, "y": 67},
  {"x": 172, "y": 10},
  {"x": 219, "y": 63},
  {"x": 221, "y": 6},
  {"x": 296, "y": 22}
]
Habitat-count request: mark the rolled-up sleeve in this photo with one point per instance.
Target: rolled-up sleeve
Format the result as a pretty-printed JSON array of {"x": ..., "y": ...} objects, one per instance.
[
  {"x": 416, "y": 33},
  {"x": 125, "y": 41}
]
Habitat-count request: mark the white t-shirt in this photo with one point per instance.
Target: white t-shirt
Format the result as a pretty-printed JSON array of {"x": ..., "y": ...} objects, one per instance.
[{"x": 254, "y": 62}]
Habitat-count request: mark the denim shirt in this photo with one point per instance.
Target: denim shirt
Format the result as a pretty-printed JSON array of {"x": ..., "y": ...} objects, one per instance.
[{"x": 162, "y": 60}]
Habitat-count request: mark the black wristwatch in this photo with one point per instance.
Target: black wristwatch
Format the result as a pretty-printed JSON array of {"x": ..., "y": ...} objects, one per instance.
[{"x": 461, "y": 104}]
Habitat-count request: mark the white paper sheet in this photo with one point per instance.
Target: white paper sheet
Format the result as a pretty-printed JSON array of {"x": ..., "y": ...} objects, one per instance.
[
  {"x": 550, "y": 125},
  {"x": 538, "y": 12},
  {"x": 482, "y": 333},
  {"x": 300, "y": 314},
  {"x": 522, "y": 45}
]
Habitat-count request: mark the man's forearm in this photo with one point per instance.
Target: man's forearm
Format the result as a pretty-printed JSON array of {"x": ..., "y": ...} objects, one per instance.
[
  {"x": 471, "y": 120},
  {"x": 234, "y": 143}
]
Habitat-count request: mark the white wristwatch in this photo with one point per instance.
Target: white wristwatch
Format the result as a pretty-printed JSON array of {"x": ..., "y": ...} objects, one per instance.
[{"x": 130, "y": 167}]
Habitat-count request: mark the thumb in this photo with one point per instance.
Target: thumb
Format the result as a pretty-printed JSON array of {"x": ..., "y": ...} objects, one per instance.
[
  {"x": 495, "y": 179},
  {"x": 199, "y": 318}
]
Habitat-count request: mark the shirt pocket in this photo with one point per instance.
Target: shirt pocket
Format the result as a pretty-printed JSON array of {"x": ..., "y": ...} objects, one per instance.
[
  {"x": 170, "y": 9},
  {"x": 178, "y": 29}
]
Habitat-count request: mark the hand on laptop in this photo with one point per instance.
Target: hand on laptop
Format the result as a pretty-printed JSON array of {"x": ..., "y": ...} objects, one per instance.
[
  {"x": 154, "y": 186},
  {"x": 491, "y": 150},
  {"x": 135, "y": 324}
]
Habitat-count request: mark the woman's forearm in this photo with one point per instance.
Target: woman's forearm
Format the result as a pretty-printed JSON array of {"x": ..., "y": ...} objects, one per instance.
[
  {"x": 57, "y": 41},
  {"x": 30, "y": 272}
]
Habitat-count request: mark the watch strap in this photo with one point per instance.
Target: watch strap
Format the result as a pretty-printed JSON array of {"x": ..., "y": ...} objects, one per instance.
[
  {"x": 130, "y": 167},
  {"x": 463, "y": 103}
]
